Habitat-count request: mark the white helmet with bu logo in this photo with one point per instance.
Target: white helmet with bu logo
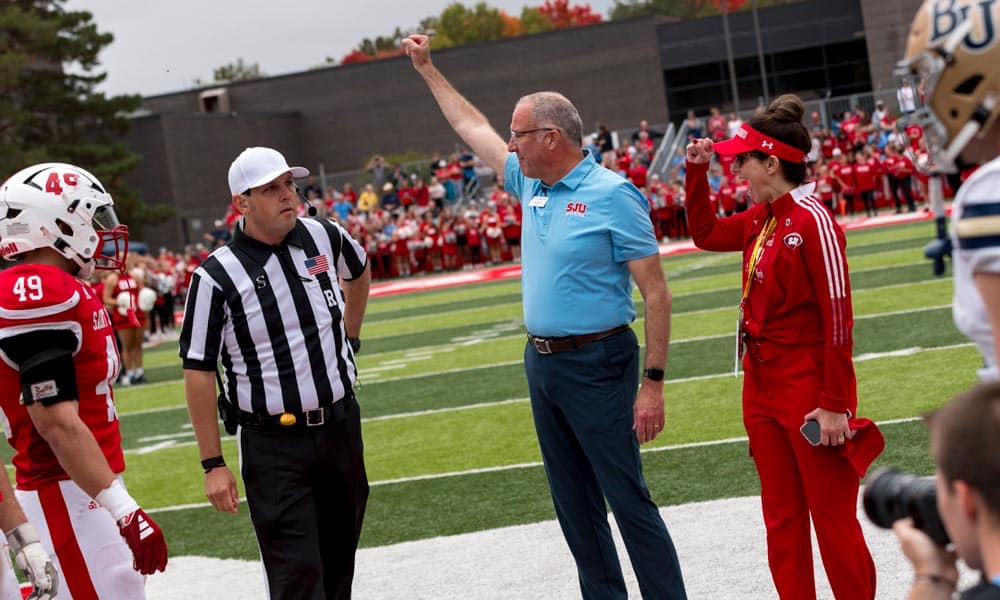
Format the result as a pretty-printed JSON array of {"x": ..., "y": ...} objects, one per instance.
[
  {"x": 61, "y": 206},
  {"x": 953, "y": 51}
]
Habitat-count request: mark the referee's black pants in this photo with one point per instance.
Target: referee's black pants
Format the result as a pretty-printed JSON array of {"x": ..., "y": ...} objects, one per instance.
[{"x": 307, "y": 490}]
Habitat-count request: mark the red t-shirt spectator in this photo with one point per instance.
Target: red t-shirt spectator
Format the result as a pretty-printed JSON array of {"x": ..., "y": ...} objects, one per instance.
[
  {"x": 726, "y": 162},
  {"x": 865, "y": 174},
  {"x": 914, "y": 132},
  {"x": 637, "y": 173},
  {"x": 827, "y": 144}
]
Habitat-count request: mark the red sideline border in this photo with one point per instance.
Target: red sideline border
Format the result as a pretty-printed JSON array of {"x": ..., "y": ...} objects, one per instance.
[{"x": 434, "y": 282}]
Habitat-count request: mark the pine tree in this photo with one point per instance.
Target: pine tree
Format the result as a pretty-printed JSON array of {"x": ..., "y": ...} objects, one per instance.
[{"x": 50, "y": 109}]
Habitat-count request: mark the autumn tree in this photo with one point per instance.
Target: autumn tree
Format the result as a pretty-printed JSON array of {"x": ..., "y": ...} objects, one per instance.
[
  {"x": 237, "y": 71},
  {"x": 684, "y": 9},
  {"x": 561, "y": 15},
  {"x": 459, "y": 24},
  {"x": 533, "y": 21},
  {"x": 462, "y": 25},
  {"x": 50, "y": 109}
]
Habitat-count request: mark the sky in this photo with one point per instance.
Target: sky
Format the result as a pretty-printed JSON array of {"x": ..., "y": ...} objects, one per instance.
[{"x": 165, "y": 46}]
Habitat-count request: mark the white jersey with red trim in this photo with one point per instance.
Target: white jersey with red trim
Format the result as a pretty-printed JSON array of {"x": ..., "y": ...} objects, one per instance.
[
  {"x": 976, "y": 249},
  {"x": 37, "y": 299}
]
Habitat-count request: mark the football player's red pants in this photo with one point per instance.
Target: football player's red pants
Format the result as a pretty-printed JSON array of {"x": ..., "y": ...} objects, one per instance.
[{"x": 798, "y": 480}]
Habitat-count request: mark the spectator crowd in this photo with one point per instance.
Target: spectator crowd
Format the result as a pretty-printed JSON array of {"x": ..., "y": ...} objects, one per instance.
[{"x": 440, "y": 217}]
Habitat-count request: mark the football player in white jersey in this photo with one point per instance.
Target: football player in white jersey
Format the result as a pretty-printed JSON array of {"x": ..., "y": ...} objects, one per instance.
[{"x": 953, "y": 51}]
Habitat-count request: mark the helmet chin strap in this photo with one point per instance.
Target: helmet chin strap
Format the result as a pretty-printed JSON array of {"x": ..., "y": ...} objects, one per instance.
[{"x": 86, "y": 268}]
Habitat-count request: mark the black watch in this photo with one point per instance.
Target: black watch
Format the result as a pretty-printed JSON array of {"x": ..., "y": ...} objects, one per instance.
[
  {"x": 653, "y": 374},
  {"x": 355, "y": 343},
  {"x": 210, "y": 463}
]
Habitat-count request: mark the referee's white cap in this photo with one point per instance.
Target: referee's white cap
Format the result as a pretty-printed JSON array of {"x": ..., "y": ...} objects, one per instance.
[{"x": 257, "y": 166}]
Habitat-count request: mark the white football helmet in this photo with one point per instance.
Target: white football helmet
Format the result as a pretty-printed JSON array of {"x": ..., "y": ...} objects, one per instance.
[
  {"x": 61, "y": 206},
  {"x": 953, "y": 51}
]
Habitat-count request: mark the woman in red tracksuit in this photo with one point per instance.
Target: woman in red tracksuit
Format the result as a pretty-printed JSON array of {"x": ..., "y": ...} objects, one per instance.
[{"x": 796, "y": 323}]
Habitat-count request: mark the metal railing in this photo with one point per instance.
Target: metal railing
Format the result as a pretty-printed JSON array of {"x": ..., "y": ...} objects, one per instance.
[
  {"x": 662, "y": 153},
  {"x": 672, "y": 143},
  {"x": 829, "y": 109}
]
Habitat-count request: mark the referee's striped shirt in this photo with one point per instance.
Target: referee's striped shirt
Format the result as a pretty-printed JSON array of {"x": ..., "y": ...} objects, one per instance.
[{"x": 273, "y": 316}]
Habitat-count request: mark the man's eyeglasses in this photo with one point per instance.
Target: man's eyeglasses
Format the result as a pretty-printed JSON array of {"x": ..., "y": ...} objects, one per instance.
[{"x": 516, "y": 135}]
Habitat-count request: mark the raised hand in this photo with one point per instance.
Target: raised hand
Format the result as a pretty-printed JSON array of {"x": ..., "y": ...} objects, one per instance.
[
  {"x": 418, "y": 48},
  {"x": 700, "y": 151}
]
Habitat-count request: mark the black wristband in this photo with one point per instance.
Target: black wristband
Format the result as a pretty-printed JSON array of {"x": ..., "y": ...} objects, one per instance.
[
  {"x": 355, "y": 343},
  {"x": 210, "y": 463},
  {"x": 653, "y": 374}
]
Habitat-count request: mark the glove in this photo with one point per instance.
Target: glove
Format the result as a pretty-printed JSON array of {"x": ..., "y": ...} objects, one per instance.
[
  {"x": 34, "y": 561},
  {"x": 145, "y": 538}
]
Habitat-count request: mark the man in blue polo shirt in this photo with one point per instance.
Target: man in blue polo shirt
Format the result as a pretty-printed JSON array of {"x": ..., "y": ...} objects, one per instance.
[{"x": 586, "y": 232}]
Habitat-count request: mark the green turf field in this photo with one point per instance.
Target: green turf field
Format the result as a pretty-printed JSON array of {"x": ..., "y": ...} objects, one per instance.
[{"x": 449, "y": 441}]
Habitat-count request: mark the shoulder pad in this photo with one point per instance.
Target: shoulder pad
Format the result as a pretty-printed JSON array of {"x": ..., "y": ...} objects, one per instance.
[{"x": 37, "y": 291}]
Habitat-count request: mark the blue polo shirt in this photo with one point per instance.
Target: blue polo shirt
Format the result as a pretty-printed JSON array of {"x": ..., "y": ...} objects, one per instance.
[{"x": 576, "y": 239}]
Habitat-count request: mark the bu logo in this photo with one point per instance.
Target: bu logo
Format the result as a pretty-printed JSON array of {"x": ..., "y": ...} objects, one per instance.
[
  {"x": 576, "y": 208},
  {"x": 945, "y": 17},
  {"x": 767, "y": 144}
]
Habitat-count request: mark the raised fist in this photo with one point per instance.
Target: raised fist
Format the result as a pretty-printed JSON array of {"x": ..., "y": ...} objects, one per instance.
[{"x": 700, "y": 151}]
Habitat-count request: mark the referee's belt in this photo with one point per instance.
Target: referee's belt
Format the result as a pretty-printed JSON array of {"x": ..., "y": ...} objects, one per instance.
[
  {"x": 551, "y": 345},
  {"x": 288, "y": 421}
]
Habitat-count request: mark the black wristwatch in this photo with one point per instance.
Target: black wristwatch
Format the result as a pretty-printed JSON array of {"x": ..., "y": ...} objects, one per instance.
[
  {"x": 653, "y": 374},
  {"x": 355, "y": 343},
  {"x": 210, "y": 463}
]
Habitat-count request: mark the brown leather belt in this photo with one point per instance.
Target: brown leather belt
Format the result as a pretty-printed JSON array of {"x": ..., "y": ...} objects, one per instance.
[{"x": 570, "y": 342}]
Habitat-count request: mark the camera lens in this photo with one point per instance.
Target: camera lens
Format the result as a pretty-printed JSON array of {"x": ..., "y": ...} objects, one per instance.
[{"x": 891, "y": 495}]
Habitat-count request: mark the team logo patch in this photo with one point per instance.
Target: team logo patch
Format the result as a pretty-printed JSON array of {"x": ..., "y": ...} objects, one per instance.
[
  {"x": 317, "y": 264},
  {"x": 792, "y": 240},
  {"x": 43, "y": 390},
  {"x": 576, "y": 208}
]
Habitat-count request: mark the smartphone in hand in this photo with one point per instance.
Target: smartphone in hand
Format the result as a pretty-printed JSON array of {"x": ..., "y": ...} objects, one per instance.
[{"x": 810, "y": 431}]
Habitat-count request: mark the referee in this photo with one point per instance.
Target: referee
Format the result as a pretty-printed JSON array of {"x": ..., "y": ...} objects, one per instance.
[{"x": 269, "y": 307}]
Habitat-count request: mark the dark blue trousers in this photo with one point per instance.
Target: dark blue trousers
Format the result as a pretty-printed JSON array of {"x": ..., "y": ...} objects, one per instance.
[{"x": 582, "y": 406}]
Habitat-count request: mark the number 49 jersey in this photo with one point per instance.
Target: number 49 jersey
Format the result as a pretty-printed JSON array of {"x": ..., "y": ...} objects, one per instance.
[{"x": 56, "y": 330}]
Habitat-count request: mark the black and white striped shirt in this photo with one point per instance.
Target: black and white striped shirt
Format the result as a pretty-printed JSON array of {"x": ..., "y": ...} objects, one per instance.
[{"x": 274, "y": 316}]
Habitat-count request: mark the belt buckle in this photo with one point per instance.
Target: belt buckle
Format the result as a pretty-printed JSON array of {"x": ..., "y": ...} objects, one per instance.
[
  {"x": 315, "y": 418},
  {"x": 542, "y": 345}
]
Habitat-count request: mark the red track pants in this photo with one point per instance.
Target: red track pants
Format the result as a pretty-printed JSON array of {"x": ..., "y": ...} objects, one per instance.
[{"x": 798, "y": 480}]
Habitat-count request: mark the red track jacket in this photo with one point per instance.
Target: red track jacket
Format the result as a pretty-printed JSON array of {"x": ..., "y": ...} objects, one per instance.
[{"x": 801, "y": 295}]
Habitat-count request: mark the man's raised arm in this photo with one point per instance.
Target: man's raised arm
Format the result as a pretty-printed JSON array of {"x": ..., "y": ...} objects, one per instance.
[{"x": 470, "y": 124}]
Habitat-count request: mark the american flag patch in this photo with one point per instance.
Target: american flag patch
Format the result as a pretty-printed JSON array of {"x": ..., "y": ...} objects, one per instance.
[{"x": 317, "y": 264}]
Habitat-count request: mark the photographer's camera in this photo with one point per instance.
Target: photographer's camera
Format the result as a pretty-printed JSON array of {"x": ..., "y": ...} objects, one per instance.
[{"x": 891, "y": 495}]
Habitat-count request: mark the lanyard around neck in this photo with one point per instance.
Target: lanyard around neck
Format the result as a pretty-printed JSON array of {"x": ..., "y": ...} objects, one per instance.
[{"x": 758, "y": 251}]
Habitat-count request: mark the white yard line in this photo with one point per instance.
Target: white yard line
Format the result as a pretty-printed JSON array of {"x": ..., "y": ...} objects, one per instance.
[
  {"x": 859, "y": 358},
  {"x": 720, "y": 544}
]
